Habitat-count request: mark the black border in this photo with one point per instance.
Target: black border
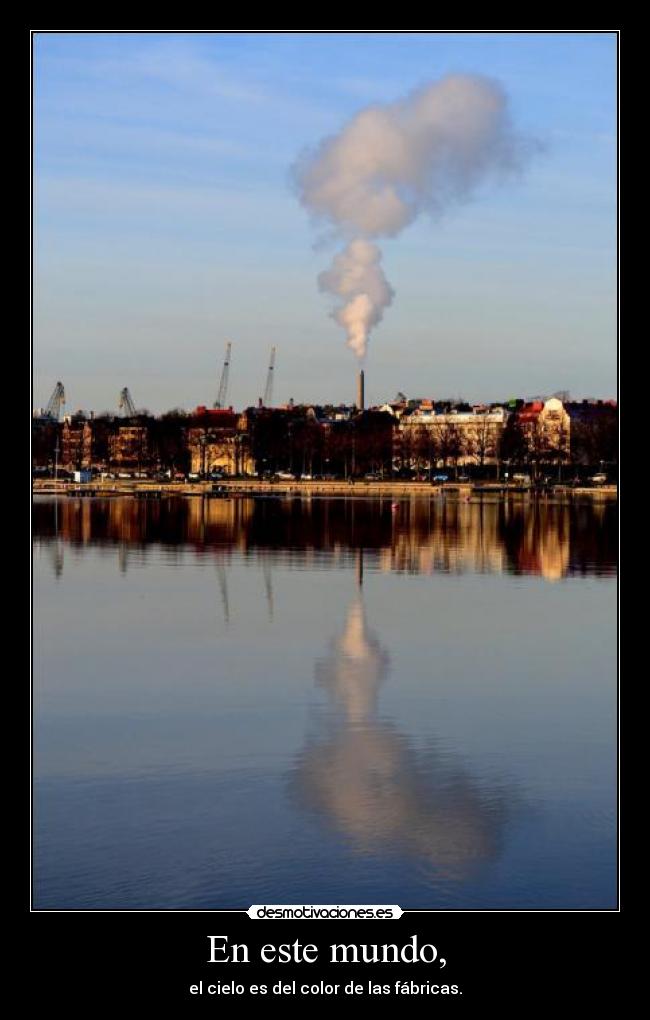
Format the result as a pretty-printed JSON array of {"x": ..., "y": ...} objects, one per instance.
[{"x": 511, "y": 960}]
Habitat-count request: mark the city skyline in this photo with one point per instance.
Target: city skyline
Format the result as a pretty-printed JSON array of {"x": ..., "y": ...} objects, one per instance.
[{"x": 166, "y": 223}]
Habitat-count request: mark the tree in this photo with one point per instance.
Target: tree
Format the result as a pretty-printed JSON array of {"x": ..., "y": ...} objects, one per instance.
[
  {"x": 514, "y": 442},
  {"x": 594, "y": 440},
  {"x": 481, "y": 441},
  {"x": 306, "y": 443},
  {"x": 373, "y": 442},
  {"x": 406, "y": 447},
  {"x": 424, "y": 448},
  {"x": 169, "y": 441},
  {"x": 45, "y": 435},
  {"x": 449, "y": 442}
]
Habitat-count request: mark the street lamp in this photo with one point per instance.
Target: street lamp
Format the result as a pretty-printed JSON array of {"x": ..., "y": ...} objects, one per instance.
[{"x": 202, "y": 442}]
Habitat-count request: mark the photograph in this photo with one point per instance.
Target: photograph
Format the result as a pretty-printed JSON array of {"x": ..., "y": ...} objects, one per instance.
[{"x": 324, "y": 469}]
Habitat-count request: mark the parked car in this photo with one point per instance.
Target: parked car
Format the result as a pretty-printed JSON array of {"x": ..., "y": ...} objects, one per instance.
[
  {"x": 286, "y": 476},
  {"x": 440, "y": 478},
  {"x": 598, "y": 479}
]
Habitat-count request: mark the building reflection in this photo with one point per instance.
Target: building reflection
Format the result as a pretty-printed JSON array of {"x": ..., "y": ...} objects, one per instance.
[
  {"x": 370, "y": 783},
  {"x": 423, "y": 536}
]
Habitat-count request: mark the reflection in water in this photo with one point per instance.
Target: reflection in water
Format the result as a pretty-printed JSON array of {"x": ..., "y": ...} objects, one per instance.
[
  {"x": 172, "y": 766},
  {"x": 423, "y": 536},
  {"x": 373, "y": 785},
  {"x": 56, "y": 548},
  {"x": 268, "y": 586},
  {"x": 223, "y": 588}
]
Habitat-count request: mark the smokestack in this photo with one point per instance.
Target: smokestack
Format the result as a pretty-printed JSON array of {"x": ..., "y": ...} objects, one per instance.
[{"x": 361, "y": 392}]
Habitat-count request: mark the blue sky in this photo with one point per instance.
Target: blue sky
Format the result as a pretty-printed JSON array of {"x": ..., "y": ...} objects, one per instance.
[{"x": 166, "y": 222}]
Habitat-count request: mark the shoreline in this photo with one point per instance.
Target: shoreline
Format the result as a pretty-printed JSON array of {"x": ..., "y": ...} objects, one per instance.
[{"x": 360, "y": 488}]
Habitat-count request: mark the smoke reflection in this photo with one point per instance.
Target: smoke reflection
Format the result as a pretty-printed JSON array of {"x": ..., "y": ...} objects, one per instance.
[{"x": 371, "y": 783}]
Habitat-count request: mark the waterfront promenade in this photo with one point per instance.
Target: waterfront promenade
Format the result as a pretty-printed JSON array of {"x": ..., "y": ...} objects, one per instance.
[{"x": 360, "y": 487}]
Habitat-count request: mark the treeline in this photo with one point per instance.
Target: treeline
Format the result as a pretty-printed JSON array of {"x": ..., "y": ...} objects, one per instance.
[{"x": 300, "y": 445}]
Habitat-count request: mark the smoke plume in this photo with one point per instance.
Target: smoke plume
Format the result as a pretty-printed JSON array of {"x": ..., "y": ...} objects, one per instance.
[
  {"x": 356, "y": 276},
  {"x": 391, "y": 163}
]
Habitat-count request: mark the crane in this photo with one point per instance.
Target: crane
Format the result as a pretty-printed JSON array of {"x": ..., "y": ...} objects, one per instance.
[
  {"x": 55, "y": 403},
  {"x": 126, "y": 403},
  {"x": 223, "y": 385},
  {"x": 268, "y": 392}
]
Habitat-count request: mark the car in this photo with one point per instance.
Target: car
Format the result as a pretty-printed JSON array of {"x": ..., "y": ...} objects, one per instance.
[
  {"x": 598, "y": 479},
  {"x": 463, "y": 478},
  {"x": 440, "y": 478},
  {"x": 286, "y": 476}
]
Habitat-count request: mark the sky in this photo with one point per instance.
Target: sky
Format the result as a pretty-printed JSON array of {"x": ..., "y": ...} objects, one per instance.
[{"x": 166, "y": 221}]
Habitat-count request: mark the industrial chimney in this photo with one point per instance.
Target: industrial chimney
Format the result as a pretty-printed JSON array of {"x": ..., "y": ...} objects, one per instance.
[{"x": 361, "y": 392}]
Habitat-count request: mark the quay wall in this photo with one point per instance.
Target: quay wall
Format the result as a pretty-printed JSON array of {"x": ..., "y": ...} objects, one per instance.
[{"x": 322, "y": 488}]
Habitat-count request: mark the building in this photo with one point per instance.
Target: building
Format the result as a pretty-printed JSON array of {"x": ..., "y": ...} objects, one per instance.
[
  {"x": 129, "y": 447},
  {"x": 218, "y": 441},
  {"x": 432, "y": 435},
  {"x": 72, "y": 443},
  {"x": 546, "y": 427},
  {"x": 594, "y": 434}
]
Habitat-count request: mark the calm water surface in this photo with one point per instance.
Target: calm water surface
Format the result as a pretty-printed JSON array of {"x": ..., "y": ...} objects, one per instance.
[{"x": 324, "y": 701}]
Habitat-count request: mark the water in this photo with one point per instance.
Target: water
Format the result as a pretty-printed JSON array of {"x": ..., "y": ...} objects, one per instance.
[{"x": 324, "y": 701}]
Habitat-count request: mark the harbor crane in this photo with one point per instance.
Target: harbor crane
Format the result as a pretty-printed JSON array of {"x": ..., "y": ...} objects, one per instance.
[
  {"x": 55, "y": 403},
  {"x": 223, "y": 385},
  {"x": 126, "y": 404},
  {"x": 268, "y": 391}
]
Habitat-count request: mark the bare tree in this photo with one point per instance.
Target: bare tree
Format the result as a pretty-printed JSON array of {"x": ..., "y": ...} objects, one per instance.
[
  {"x": 482, "y": 441},
  {"x": 449, "y": 443}
]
